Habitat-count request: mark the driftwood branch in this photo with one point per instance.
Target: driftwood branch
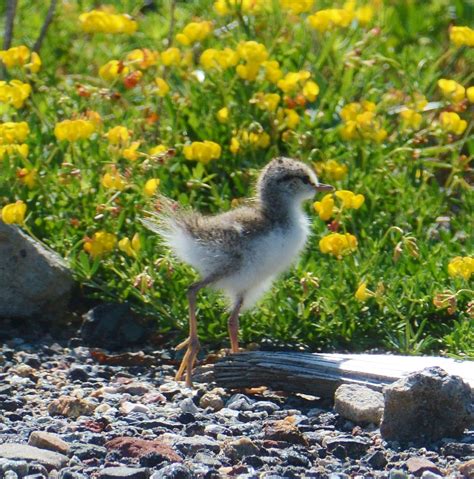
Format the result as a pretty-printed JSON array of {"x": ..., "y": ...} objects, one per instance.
[
  {"x": 321, "y": 374},
  {"x": 9, "y": 23},
  {"x": 45, "y": 26}
]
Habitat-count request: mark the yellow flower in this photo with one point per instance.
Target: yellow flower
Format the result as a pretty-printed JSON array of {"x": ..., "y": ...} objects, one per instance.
[
  {"x": 266, "y": 101},
  {"x": 162, "y": 88},
  {"x": 462, "y": 36},
  {"x": 9, "y": 150},
  {"x": 151, "y": 186},
  {"x": 331, "y": 169},
  {"x": 225, "y": 7},
  {"x": 27, "y": 177},
  {"x": 13, "y": 213},
  {"x": 338, "y": 244},
  {"x": 272, "y": 71},
  {"x": 470, "y": 94},
  {"x": 15, "y": 56},
  {"x": 100, "y": 244},
  {"x": 220, "y": 59},
  {"x": 417, "y": 102},
  {"x": 131, "y": 153},
  {"x": 254, "y": 54},
  {"x": 255, "y": 139},
  {"x": 194, "y": 32},
  {"x": 234, "y": 145},
  {"x": 290, "y": 82},
  {"x": 113, "y": 181},
  {"x": 99, "y": 21},
  {"x": 171, "y": 56},
  {"x": 325, "y": 207},
  {"x": 73, "y": 130},
  {"x": 452, "y": 90},
  {"x": 461, "y": 266},
  {"x": 363, "y": 294},
  {"x": 202, "y": 151},
  {"x": 19, "y": 56},
  {"x": 112, "y": 70},
  {"x": 364, "y": 14},
  {"x": 35, "y": 63},
  {"x": 452, "y": 123},
  {"x": 297, "y": 6},
  {"x": 310, "y": 90},
  {"x": 291, "y": 119},
  {"x": 329, "y": 19},
  {"x": 223, "y": 115},
  {"x": 360, "y": 122},
  {"x": 249, "y": 71},
  {"x": 14, "y": 93},
  {"x": 350, "y": 200},
  {"x": 11, "y": 132},
  {"x": 119, "y": 135},
  {"x": 143, "y": 58},
  {"x": 131, "y": 248},
  {"x": 158, "y": 150},
  {"x": 410, "y": 119}
]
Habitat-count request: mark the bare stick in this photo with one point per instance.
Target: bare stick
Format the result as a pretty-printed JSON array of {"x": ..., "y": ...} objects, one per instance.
[
  {"x": 321, "y": 374},
  {"x": 46, "y": 24},
  {"x": 9, "y": 23}
]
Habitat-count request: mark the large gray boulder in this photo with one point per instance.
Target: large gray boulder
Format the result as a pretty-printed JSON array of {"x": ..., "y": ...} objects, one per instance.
[
  {"x": 427, "y": 405},
  {"x": 33, "y": 279}
]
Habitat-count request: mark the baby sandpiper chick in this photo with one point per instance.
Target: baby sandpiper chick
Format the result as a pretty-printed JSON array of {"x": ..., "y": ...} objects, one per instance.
[{"x": 240, "y": 252}]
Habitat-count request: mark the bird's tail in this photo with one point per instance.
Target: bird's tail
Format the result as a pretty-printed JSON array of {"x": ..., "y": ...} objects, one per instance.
[{"x": 165, "y": 219}]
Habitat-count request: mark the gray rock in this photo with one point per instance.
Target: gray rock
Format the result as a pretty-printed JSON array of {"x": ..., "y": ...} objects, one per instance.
[
  {"x": 212, "y": 400},
  {"x": 358, "y": 403},
  {"x": 239, "y": 402},
  {"x": 240, "y": 448},
  {"x": 430, "y": 475},
  {"x": 458, "y": 449},
  {"x": 191, "y": 445},
  {"x": 173, "y": 471},
  {"x": 33, "y": 278},
  {"x": 426, "y": 405},
  {"x": 88, "y": 451},
  {"x": 397, "y": 474},
  {"x": 377, "y": 460},
  {"x": 46, "y": 440},
  {"x": 266, "y": 406},
  {"x": 353, "y": 447},
  {"x": 112, "y": 326},
  {"x": 418, "y": 465},
  {"x": 49, "y": 459},
  {"x": 19, "y": 467},
  {"x": 187, "y": 405},
  {"x": 124, "y": 473}
]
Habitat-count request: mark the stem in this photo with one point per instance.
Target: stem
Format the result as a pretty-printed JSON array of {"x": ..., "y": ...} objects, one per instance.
[
  {"x": 7, "y": 39},
  {"x": 9, "y": 23},
  {"x": 45, "y": 26},
  {"x": 172, "y": 22}
]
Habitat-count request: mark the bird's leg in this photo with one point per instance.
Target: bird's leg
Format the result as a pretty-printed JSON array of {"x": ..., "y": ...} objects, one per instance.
[
  {"x": 233, "y": 325},
  {"x": 192, "y": 343}
]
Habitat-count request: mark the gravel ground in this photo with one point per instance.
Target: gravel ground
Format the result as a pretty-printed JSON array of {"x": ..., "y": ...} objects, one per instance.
[{"x": 70, "y": 412}]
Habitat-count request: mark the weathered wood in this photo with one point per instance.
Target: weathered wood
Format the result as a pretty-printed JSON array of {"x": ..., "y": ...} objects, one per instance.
[{"x": 321, "y": 374}]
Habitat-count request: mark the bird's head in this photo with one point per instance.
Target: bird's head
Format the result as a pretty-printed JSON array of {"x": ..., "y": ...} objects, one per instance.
[{"x": 290, "y": 180}]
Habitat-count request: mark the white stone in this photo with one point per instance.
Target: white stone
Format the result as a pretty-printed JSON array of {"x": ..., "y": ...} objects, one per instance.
[{"x": 359, "y": 403}]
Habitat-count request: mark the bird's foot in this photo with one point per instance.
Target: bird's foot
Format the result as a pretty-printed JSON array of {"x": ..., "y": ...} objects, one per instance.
[{"x": 188, "y": 360}]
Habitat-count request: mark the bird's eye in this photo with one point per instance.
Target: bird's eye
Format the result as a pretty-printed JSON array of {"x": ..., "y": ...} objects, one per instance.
[{"x": 306, "y": 180}]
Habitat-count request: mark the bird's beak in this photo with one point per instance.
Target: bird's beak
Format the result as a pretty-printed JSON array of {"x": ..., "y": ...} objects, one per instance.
[{"x": 323, "y": 187}]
